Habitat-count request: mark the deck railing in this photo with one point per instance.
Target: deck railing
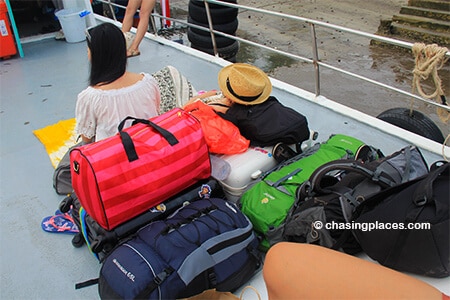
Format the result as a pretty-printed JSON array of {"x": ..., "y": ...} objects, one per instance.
[{"x": 313, "y": 24}]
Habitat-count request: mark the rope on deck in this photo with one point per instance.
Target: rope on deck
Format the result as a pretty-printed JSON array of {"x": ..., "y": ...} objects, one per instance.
[{"x": 429, "y": 59}]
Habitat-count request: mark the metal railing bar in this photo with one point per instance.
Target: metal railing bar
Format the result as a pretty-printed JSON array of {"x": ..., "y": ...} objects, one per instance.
[
  {"x": 380, "y": 38},
  {"x": 308, "y": 60},
  {"x": 384, "y": 85},
  {"x": 315, "y": 61},
  {"x": 111, "y": 10},
  {"x": 325, "y": 65}
]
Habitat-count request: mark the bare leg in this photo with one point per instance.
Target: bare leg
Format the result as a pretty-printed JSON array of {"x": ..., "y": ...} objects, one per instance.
[
  {"x": 303, "y": 271},
  {"x": 132, "y": 7},
  {"x": 144, "y": 18}
]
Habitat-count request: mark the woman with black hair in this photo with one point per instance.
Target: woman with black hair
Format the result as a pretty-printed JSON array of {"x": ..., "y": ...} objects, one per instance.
[{"x": 113, "y": 92}]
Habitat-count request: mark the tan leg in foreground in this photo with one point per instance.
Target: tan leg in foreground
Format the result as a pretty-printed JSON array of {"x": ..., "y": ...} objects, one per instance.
[{"x": 303, "y": 271}]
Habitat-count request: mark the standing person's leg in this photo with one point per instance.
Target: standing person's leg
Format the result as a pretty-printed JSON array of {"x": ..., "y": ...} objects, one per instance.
[
  {"x": 145, "y": 10},
  {"x": 132, "y": 7},
  {"x": 58, "y": 4},
  {"x": 304, "y": 271}
]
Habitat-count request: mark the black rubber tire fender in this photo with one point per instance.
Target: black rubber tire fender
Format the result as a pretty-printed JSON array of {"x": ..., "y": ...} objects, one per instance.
[
  {"x": 200, "y": 3},
  {"x": 206, "y": 42},
  {"x": 417, "y": 122},
  {"x": 224, "y": 52},
  {"x": 229, "y": 28},
  {"x": 218, "y": 15}
]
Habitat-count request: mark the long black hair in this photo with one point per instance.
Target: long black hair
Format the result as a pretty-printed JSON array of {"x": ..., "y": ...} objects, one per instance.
[{"x": 108, "y": 53}]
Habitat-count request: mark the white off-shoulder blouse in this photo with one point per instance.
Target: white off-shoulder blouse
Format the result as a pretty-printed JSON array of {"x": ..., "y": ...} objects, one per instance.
[{"x": 99, "y": 112}]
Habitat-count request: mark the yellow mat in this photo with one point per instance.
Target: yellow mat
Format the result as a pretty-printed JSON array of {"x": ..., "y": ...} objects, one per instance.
[{"x": 57, "y": 139}]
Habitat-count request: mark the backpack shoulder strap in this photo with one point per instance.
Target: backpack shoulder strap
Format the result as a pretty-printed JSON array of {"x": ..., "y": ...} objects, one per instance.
[
  {"x": 86, "y": 283},
  {"x": 424, "y": 191},
  {"x": 349, "y": 166}
]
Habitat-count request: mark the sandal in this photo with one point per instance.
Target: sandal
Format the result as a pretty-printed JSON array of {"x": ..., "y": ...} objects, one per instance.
[
  {"x": 131, "y": 53},
  {"x": 59, "y": 223},
  {"x": 282, "y": 152},
  {"x": 129, "y": 38},
  {"x": 60, "y": 35}
]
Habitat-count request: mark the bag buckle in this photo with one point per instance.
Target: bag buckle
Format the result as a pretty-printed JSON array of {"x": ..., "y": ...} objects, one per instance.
[{"x": 160, "y": 277}]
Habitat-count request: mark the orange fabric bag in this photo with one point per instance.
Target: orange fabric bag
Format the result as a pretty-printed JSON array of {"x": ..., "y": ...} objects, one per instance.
[{"x": 222, "y": 136}]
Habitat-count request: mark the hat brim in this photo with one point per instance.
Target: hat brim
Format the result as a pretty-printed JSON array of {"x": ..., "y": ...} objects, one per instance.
[{"x": 222, "y": 79}]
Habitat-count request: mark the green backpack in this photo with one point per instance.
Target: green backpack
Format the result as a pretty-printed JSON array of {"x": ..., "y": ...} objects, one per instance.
[{"x": 268, "y": 201}]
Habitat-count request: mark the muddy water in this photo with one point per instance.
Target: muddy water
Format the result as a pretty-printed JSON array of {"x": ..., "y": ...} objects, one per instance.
[{"x": 389, "y": 66}]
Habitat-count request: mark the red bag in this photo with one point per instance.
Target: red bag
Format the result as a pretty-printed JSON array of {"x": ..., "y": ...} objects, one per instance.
[
  {"x": 222, "y": 136},
  {"x": 122, "y": 176}
]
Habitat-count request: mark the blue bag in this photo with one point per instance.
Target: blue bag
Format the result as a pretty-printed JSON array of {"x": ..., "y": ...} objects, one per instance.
[{"x": 206, "y": 244}]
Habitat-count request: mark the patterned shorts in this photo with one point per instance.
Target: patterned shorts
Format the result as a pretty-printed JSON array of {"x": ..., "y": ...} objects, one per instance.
[{"x": 174, "y": 88}]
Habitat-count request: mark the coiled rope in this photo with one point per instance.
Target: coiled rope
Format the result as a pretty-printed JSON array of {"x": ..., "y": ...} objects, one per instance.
[{"x": 429, "y": 59}]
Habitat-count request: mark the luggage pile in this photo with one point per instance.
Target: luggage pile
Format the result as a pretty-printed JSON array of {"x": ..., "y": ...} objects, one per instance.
[
  {"x": 152, "y": 209},
  {"x": 148, "y": 191},
  {"x": 268, "y": 201}
]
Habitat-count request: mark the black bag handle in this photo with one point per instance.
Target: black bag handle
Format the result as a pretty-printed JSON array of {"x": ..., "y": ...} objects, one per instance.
[
  {"x": 128, "y": 144},
  {"x": 424, "y": 191},
  {"x": 343, "y": 165}
]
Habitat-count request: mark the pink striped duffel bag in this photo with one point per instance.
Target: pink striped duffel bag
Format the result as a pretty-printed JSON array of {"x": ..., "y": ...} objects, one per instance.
[{"x": 143, "y": 165}]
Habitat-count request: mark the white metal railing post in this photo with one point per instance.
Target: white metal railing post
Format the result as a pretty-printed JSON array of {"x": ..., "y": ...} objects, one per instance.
[
  {"x": 211, "y": 28},
  {"x": 152, "y": 20},
  {"x": 111, "y": 10},
  {"x": 315, "y": 58}
]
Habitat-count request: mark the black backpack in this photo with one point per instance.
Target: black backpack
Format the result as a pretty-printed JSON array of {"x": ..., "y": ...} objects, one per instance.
[
  {"x": 422, "y": 204},
  {"x": 325, "y": 205},
  {"x": 269, "y": 123}
]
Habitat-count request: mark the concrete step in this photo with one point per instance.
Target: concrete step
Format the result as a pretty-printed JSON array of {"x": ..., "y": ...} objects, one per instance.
[
  {"x": 443, "y": 5},
  {"x": 416, "y": 34},
  {"x": 425, "y": 21},
  {"x": 422, "y": 22},
  {"x": 426, "y": 13}
]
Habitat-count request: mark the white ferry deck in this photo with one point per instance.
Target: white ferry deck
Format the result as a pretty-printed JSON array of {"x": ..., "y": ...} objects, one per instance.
[{"x": 41, "y": 89}]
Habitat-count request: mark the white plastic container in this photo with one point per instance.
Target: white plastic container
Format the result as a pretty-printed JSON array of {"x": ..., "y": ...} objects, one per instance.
[
  {"x": 245, "y": 168},
  {"x": 73, "y": 23}
]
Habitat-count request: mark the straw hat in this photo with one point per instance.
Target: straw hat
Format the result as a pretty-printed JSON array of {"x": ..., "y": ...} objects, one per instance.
[{"x": 244, "y": 84}]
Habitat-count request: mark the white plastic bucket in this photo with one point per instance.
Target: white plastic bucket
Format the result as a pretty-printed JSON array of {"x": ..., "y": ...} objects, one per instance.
[{"x": 73, "y": 23}]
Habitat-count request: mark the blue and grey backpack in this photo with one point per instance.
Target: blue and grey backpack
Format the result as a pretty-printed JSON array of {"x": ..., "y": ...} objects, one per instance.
[{"x": 206, "y": 244}]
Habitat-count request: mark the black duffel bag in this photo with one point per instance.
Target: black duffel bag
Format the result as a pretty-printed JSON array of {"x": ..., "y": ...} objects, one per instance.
[
  {"x": 423, "y": 251},
  {"x": 269, "y": 123}
]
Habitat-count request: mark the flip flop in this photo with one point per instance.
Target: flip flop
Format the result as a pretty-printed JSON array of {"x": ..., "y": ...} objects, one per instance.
[
  {"x": 129, "y": 37},
  {"x": 134, "y": 53},
  {"x": 67, "y": 214},
  {"x": 59, "y": 223}
]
